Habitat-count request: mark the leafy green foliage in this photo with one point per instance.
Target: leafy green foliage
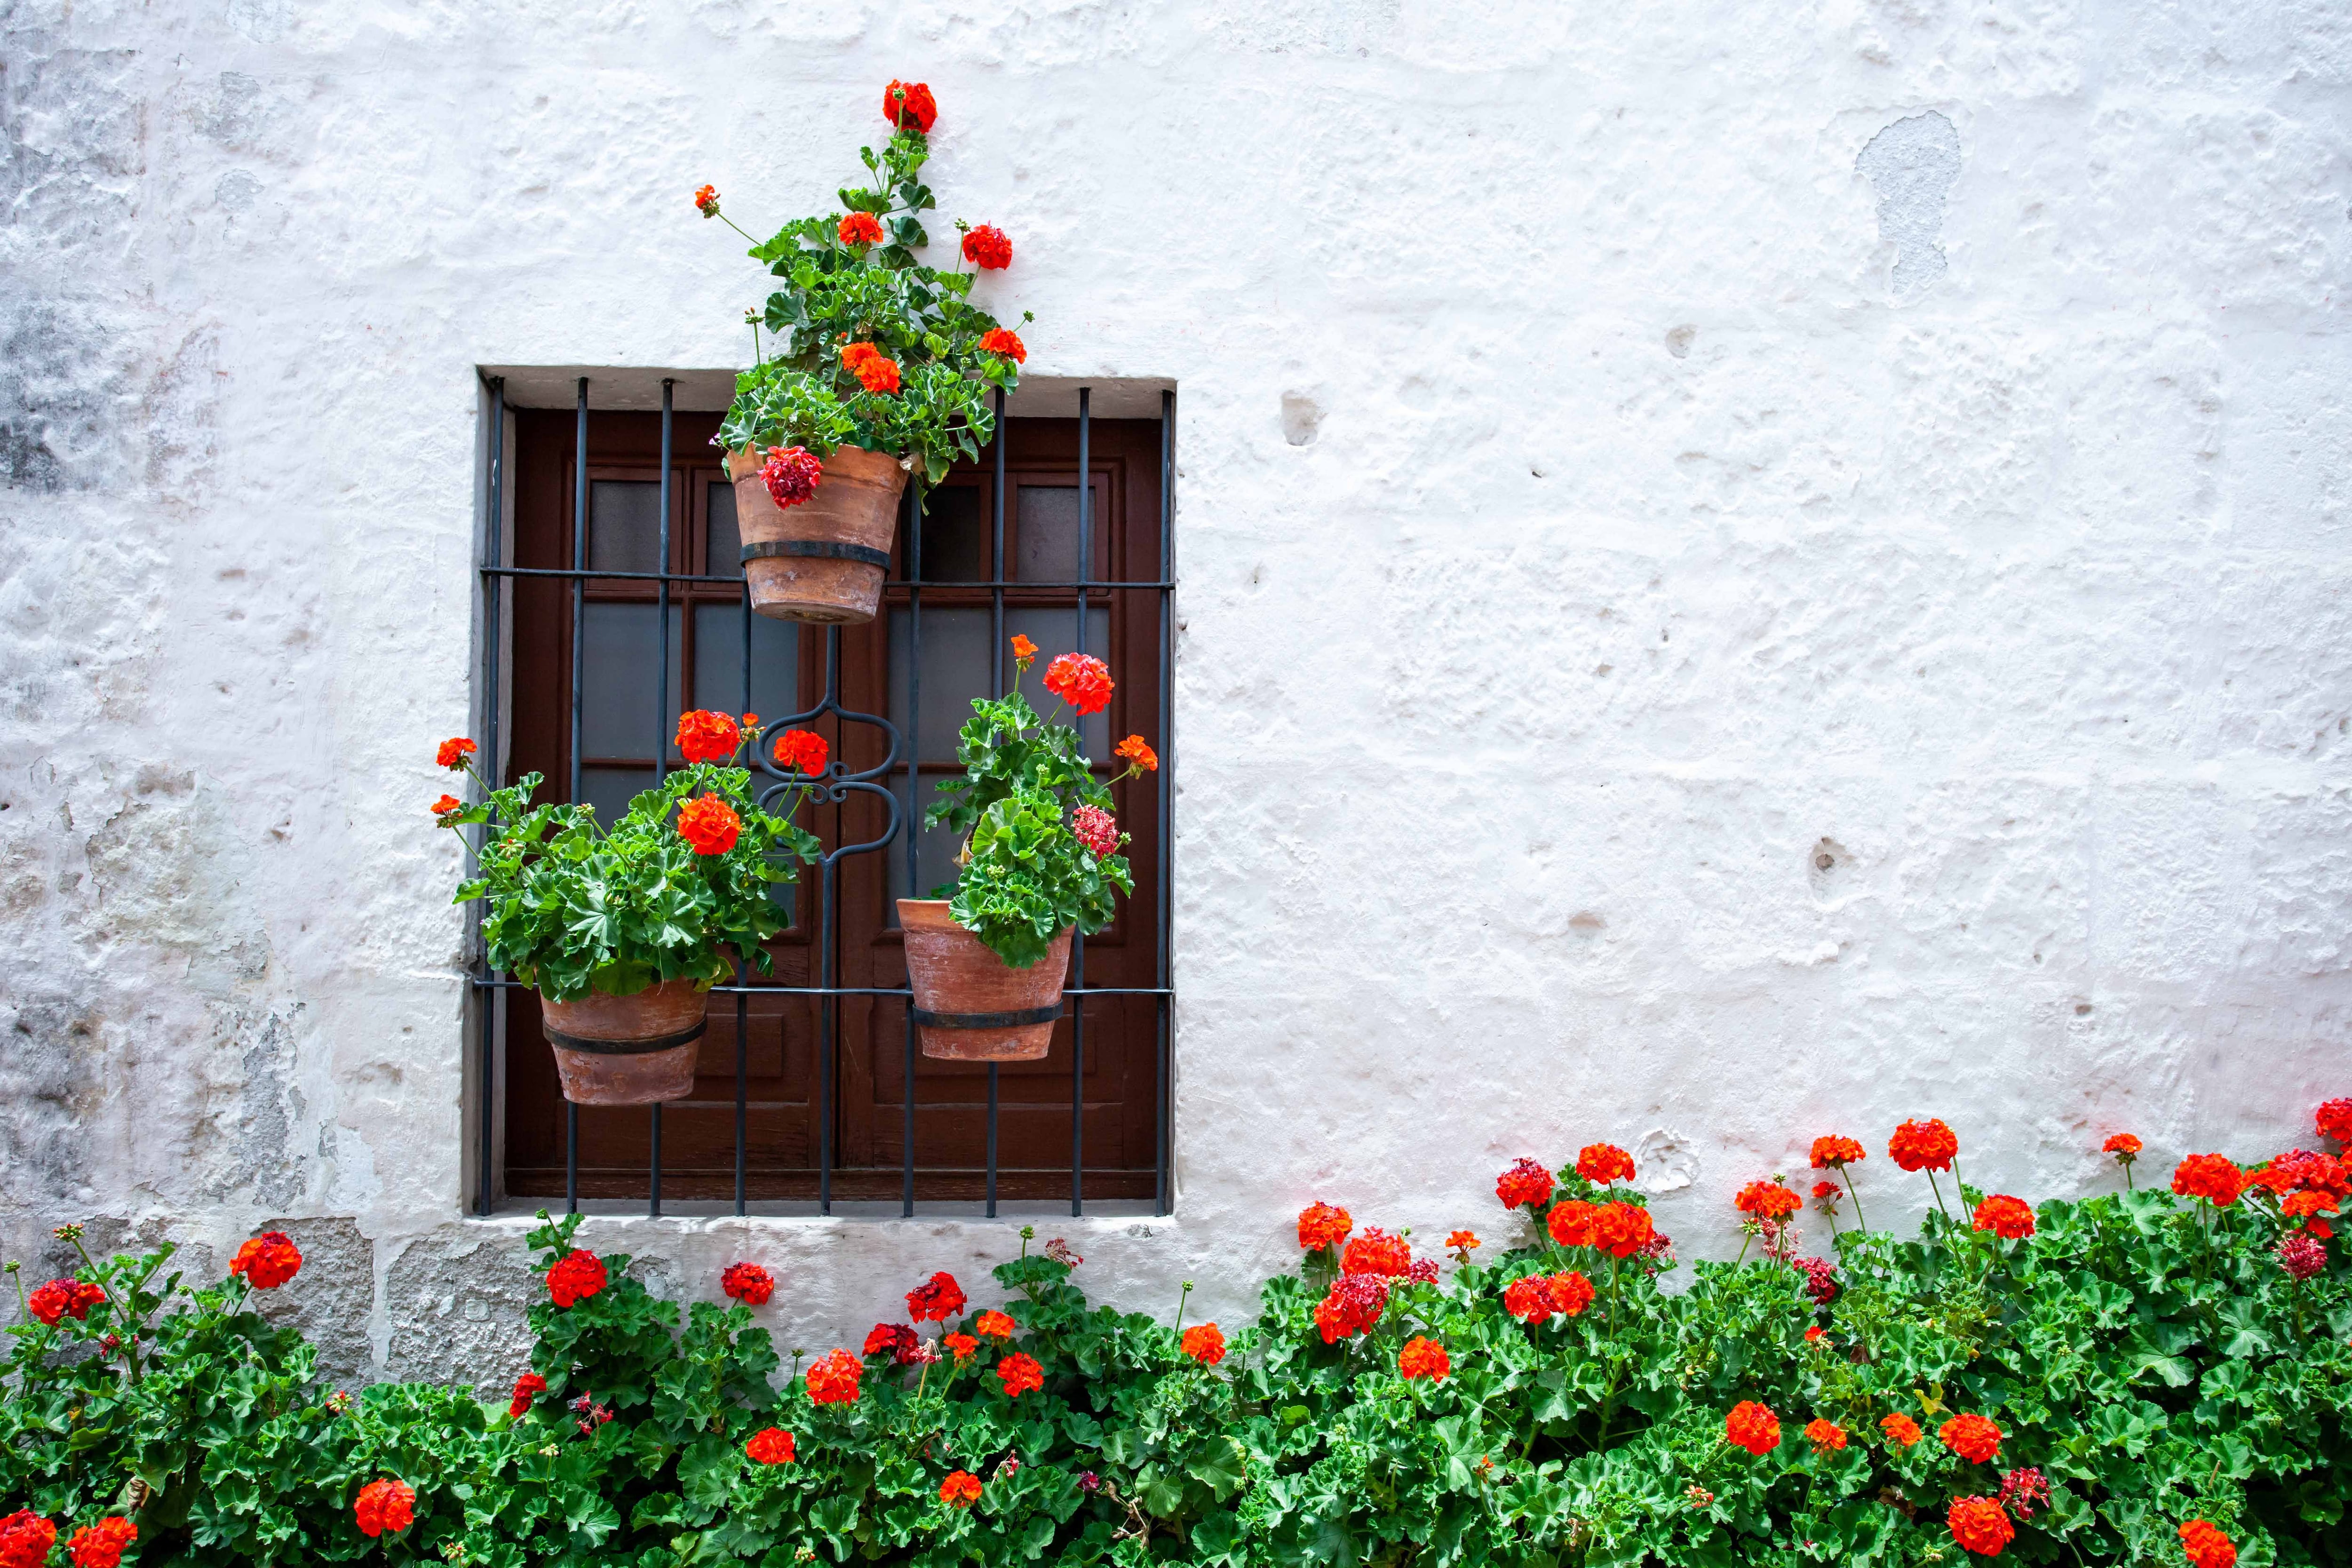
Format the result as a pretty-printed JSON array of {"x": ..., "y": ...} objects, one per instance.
[
  {"x": 2148, "y": 1355},
  {"x": 920, "y": 317}
]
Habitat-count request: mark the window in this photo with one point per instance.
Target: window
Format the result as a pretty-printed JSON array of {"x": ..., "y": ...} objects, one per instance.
[{"x": 811, "y": 1088}]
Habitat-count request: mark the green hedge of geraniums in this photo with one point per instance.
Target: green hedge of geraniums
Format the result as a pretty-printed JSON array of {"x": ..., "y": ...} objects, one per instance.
[{"x": 2146, "y": 1377}]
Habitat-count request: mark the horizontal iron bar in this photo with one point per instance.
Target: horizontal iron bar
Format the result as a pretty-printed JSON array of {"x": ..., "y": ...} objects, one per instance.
[
  {"x": 566, "y": 571},
  {"x": 487, "y": 983}
]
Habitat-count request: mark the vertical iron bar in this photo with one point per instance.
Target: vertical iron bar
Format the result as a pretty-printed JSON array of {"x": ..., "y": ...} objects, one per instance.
[
  {"x": 831, "y": 1019},
  {"x": 571, "y": 1158},
  {"x": 913, "y": 817},
  {"x": 1078, "y": 948},
  {"x": 491, "y": 1001},
  {"x": 1163, "y": 1082},
  {"x": 743, "y": 969},
  {"x": 579, "y": 629},
  {"x": 996, "y": 686},
  {"x": 653, "y": 1204},
  {"x": 661, "y": 719}
]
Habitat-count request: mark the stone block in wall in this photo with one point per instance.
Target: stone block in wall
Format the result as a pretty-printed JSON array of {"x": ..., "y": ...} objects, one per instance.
[
  {"x": 332, "y": 1300},
  {"x": 455, "y": 1302}
]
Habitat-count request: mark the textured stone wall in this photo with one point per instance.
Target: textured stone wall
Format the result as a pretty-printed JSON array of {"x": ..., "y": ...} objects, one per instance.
[{"x": 1747, "y": 571}]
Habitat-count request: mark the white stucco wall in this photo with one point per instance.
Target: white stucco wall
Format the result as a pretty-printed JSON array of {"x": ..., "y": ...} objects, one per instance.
[{"x": 1629, "y": 453}]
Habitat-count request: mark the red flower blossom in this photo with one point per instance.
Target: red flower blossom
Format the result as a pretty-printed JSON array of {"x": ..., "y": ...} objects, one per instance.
[
  {"x": 448, "y": 806},
  {"x": 1020, "y": 1374},
  {"x": 802, "y": 752},
  {"x": 1321, "y": 1226},
  {"x": 1972, "y": 1438},
  {"x": 710, "y": 825},
  {"x": 1080, "y": 679},
  {"x": 575, "y": 1277},
  {"x": 2023, "y": 1491},
  {"x": 64, "y": 1298},
  {"x": 2334, "y": 1119},
  {"x": 1820, "y": 1279},
  {"x": 936, "y": 1300},
  {"x": 1980, "y": 1525},
  {"x": 988, "y": 247},
  {"x": 1826, "y": 1437},
  {"x": 1462, "y": 1241},
  {"x": 706, "y": 201},
  {"x": 1571, "y": 1293},
  {"x": 2307, "y": 1171},
  {"x": 854, "y": 354},
  {"x": 1378, "y": 1252},
  {"x": 267, "y": 1260},
  {"x": 1827, "y": 1195},
  {"x": 860, "y": 228},
  {"x": 960, "y": 1489},
  {"x": 2006, "y": 1217},
  {"x": 704, "y": 736},
  {"x": 2299, "y": 1204},
  {"x": 791, "y": 475},
  {"x": 2207, "y": 1547},
  {"x": 1525, "y": 1185},
  {"x": 1768, "y": 1200},
  {"x": 877, "y": 374},
  {"x": 2212, "y": 1177},
  {"x": 1138, "y": 754},
  {"x": 1601, "y": 1164},
  {"x": 1353, "y": 1305},
  {"x": 1423, "y": 1358},
  {"x": 385, "y": 1507},
  {"x": 993, "y": 1325},
  {"x": 1753, "y": 1427},
  {"x": 1571, "y": 1221},
  {"x": 101, "y": 1546},
  {"x": 1205, "y": 1343},
  {"x": 1835, "y": 1153},
  {"x": 454, "y": 753},
  {"x": 1096, "y": 830},
  {"x": 833, "y": 1378},
  {"x": 2302, "y": 1255},
  {"x": 893, "y": 1340},
  {"x": 2123, "y": 1146},
  {"x": 1927, "y": 1145},
  {"x": 908, "y": 106},
  {"x": 961, "y": 1346},
  {"x": 527, "y": 1388},
  {"x": 1024, "y": 650},
  {"x": 748, "y": 1283},
  {"x": 1900, "y": 1429},
  {"x": 25, "y": 1539},
  {"x": 1621, "y": 1230},
  {"x": 771, "y": 1445},
  {"x": 997, "y": 340},
  {"x": 1529, "y": 1299}
]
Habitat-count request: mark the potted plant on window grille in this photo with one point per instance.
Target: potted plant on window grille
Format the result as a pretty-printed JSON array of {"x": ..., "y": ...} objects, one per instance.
[
  {"x": 987, "y": 955},
  {"x": 874, "y": 366},
  {"x": 623, "y": 930}
]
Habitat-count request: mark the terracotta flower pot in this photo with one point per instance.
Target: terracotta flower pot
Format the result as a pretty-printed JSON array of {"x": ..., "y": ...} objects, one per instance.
[
  {"x": 627, "y": 1050},
  {"x": 825, "y": 559},
  {"x": 972, "y": 1005}
]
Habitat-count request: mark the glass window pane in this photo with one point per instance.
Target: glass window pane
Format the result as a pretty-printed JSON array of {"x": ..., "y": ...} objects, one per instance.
[
  {"x": 617, "y": 717},
  {"x": 1056, "y": 632},
  {"x": 936, "y": 851},
  {"x": 956, "y": 548},
  {"x": 718, "y": 668},
  {"x": 610, "y": 790},
  {"x": 723, "y": 554},
  {"x": 955, "y": 670},
  {"x": 1045, "y": 534},
  {"x": 624, "y": 526}
]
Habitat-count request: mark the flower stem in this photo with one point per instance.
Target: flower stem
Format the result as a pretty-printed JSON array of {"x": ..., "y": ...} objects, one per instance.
[{"x": 1858, "y": 1221}]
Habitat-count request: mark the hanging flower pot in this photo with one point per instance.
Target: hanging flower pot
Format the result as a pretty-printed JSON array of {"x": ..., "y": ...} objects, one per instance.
[
  {"x": 638, "y": 1049},
  {"x": 823, "y": 558},
  {"x": 970, "y": 1004}
]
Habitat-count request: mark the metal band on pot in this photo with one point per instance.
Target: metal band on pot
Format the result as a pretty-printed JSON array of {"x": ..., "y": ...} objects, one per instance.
[
  {"x": 623, "y": 1047},
  {"x": 1044, "y": 1015},
  {"x": 823, "y": 549}
]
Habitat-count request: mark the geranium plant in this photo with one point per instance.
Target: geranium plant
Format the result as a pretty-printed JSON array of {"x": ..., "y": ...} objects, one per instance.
[
  {"x": 1041, "y": 851},
  {"x": 865, "y": 345},
  {"x": 577, "y": 906}
]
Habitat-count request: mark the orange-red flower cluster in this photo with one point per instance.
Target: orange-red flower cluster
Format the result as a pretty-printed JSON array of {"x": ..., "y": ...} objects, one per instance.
[
  {"x": 706, "y": 201},
  {"x": 1835, "y": 1153},
  {"x": 1826, "y": 1437},
  {"x": 448, "y": 805},
  {"x": 993, "y": 1324},
  {"x": 961, "y": 1346},
  {"x": 1601, "y": 1164},
  {"x": 1423, "y": 1358},
  {"x": 576, "y": 1276},
  {"x": 710, "y": 825},
  {"x": 1020, "y": 1374},
  {"x": 960, "y": 1489},
  {"x": 896, "y": 1341},
  {"x": 2006, "y": 1217},
  {"x": 64, "y": 1298},
  {"x": 748, "y": 1283},
  {"x": 2207, "y": 1546},
  {"x": 1618, "y": 1229},
  {"x": 528, "y": 1387},
  {"x": 1972, "y": 1438},
  {"x": 1980, "y": 1524},
  {"x": 791, "y": 475},
  {"x": 1080, "y": 679},
  {"x": 1752, "y": 1427},
  {"x": 101, "y": 1546},
  {"x": 1927, "y": 1145},
  {"x": 1321, "y": 1226},
  {"x": 1378, "y": 1252},
  {"x": 1024, "y": 650},
  {"x": 771, "y": 1445},
  {"x": 1137, "y": 754},
  {"x": 454, "y": 753},
  {"x": 860, "y": 228},
  {"x": 1205, "y": 1343},
  {"x": 267, "y": 1260},
  {"x": 25, "y": 1539},
  {"x": 385, "y": 1508},
  {"x": 1900, "y": 1429},
  {"x": 833, "y": 1378},
  {"x": 2123, "y": 1146},
  {"x": 875, "y": 371},
  {"x": 2213, "y": 1177},
  {"x": 1525, "y": 1185},
  {"x": 1768, "y": 1200},
  {"x": 1461, "y": 1241},
  {"x": 997, "y": 340},
  {"x": 704, "y": 736},
  {"x": 936, "y": 1300},
  {"x": 1353, "y": 1304},
  {"x": 908, "y": 105},
  {"x": 1096, "y": 830},
  {"x": 2334, "y": 1119},
  {"x": 988, "y": 247}
]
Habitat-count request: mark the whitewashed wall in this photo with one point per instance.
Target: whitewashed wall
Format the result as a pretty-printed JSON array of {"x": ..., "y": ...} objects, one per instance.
[{"x": 1747, "y": 571}]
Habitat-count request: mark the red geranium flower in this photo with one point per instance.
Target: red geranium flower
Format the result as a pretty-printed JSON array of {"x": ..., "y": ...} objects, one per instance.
[
  {"x": 2301, "y": 1255},
  {"x": 893, "y": 1340},
  {"x": 1321, "y": 1226},
  {"x": 1601, "y": 1164},
  {"x": 2207, "y": 1546},
  {"x": 803, "y": 752},
  {"x": 1571, "y": 1293},
  {"x": 706, "y": 201},
  {"x": 2213, "y": 1177},
  {"x": 997, "y": 340},
  {"x": 1980, "y": 1525},
  {"x": 1020, "y": 1374},
  {"x": 1378, "y": 1252},
  {"x": 791, "y": 474},
  {"x": 704, "y": 736},
  {"x": 1137, "y": 754},
  {"x": 833, "y": 1378},
  {"x": 771, "y": 1445},
  {"x": 1096, "y": 828},
  {"x": 1972, "y": 1438},
  {"x": 860, "y": 228},
  {"x": 1526, "y": 1184},
  {"x": 1080, "y": 679},
  {"x": 575, "y": 1278},
  {"x": 454, "y": 753},
  {"x": 2307, "y": 1171},
  {"x": 1835, "y": 1153},
  {"x": 1572, "y": 1221},
  {"x": 1205, "y": 1343},
  {"x": 1752, "y": 1427},
  {"x": 908, "y": 106},
  {"x": 2298, "y": 1205},
  {"x": 25, "y": 1539},
  {"x": 1354, "y": 1304},
  {"x": 961, "y": 1346},
  {"x": 936, "y": 1300},
  {"x": 1024, "y": 650},
  {"x": 64, "y": 1298},
  {"x": 448, "y": 806},
  {"x": 2123, "y": 1146},
  {"x": 988, "y": 247},
  {"x": 960, "y": 1489},
  {"x": 267, "y": 1260},
  {"x": 385, "y": 1507},
  {"x": 1529, "y": 1299},
  {"x": 854, "y": 354},
  {"x": 2006, "y": 1217},
  {"x": 1900, "y": 1429},
  {"x": 710, "y": 825},
  {"x": 1423, "y": 1358},
  {"x": 1462, "y": 1241},
  {"x": 877, "y": 374},
  {"x": 748, "y": 1283},
  {"x": 1621, "y": 1230},
  {"x": 2334, "y": 1120},
  {"x": 1927, "y": 1145},
  {"x": 527, "y": 1388},
  {"x": 1768, "y": 1200},
  {"x": 101, "y": 1546},
  {"x": 1826, "y": 1437}
]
